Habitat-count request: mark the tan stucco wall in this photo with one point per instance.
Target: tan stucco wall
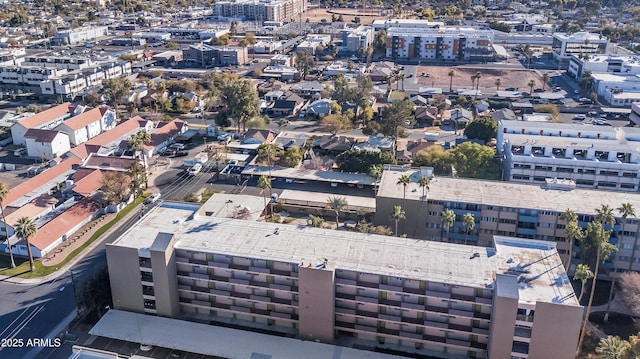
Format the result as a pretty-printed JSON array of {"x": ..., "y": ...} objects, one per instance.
[
  {"x": 556, "y": 328},
  {"x": 124, "y": 276},
  {"x": 316, "y": 304}
]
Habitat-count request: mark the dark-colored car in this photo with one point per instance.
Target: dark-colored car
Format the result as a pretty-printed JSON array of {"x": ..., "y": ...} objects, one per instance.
[
  {"x": 181, "y": 154},
  {"x": 510, "y": 89},
  {"x": 538, "y": 90}
]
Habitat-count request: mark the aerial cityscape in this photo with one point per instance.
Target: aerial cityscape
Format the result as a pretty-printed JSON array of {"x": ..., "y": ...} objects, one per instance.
[{"x": 336, "y": 179}]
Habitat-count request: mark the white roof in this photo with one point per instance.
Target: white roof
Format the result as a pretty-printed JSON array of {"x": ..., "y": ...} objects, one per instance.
[
  {"x": 310, "y": 175},
  {"x": 217, "y": 341}
]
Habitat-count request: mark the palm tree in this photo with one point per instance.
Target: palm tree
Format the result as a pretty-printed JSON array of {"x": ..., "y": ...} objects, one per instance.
[
  {"x": 397, "y": 215},
  {"x": 597, "y": 239},
  {"x": 613, "y": 348},
  {"x": 477, "y": 78},
  {"x": 424, "y": 183},
  {"x": 3, "y": 194},
  {"x": 626, "y": 210},
  {"x": 583, "y": 274},
  {"x": 337, "y": 204},
  {"x": 448, "y": 218},
  {"x": 451, "y": 75},
  {"x": 469, "y": 223},
  {"x": 264, "y": 182},
  {"x": 572, "y": 232},
  {"x": 545, "y": 79},
  {"x": 267, "y": 152},
  {"x": 402, "y": 76},
  {"x": 498, "y": 83},
  {"x": 404, "y": 180},
  {"x": 531, "y": 84},
  {"x": 25, "y": 229},
  {"x": 136, "y": 143}
]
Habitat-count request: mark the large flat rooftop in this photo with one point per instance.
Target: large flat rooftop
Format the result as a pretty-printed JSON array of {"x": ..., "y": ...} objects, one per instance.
[
  {"x": 400, "y": 257},
  {"x": 503, "y": 194}
]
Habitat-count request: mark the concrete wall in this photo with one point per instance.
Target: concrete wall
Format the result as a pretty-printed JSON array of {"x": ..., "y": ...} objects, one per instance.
[
  {"x": 316, "y": 303},
  {"x": 556, "y": 330},
  {"x": 165, "y": 282},
  {"x": 503, "y": 320},
  {"x": 124, "y": 276}
]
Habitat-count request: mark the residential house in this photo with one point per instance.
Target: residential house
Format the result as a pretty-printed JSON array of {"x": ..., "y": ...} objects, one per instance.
[
  {"x": 46, "y": 144},
  {"x": 319, "y": 108},
  {"x": 164, "y": 135},
  {"x": 426, "y": 116},
  {"x": 406, "y": 150},
  {"x": 309, "y": 89},
  {"x": 460, "y": 117},
  {"x": 168, "y": 57},
  {"x": 419, "y": 100},
  {"x": 58, "y": 229},
  {"x": 282, "y": 60},
  {"x": 287, "y": 104},
  {"x": 46, "y": 119},
  {"x": 258, "y": 136},
  {"x": 88, "y": 124},
  {"x": 503, "y": 114},
  {"x": 377, "y": 143},
  {"x": 37, "y": 208},
  {"x": 333, "y": 144}
]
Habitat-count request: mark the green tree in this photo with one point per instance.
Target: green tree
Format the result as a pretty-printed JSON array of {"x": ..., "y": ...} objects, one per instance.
[
  {"x": 613, "y": 348},
  {"x": 293, "y": 156},
  {"x": 626, "y": 210},
  {"x": 222, "y": 40},
  {"x": 242, "y": 101},
  {"x": 172, "y": 45},
  {"x": 362, "y": 161},
  {"x": 136, "y": 143},
  {"x": 472, "y": 160},
  {"x": 282, "y": 123},
  {"x": 305, "y": 62},
  {"x": 572, "y": 232},
  {"x": 424, "y": 184},
  {"x": 114, "y": 187},
  {"x": 336, "y": 123},
  {"x": 451, "y": 74},
  {"x": 484, "y": 128},
  {"x": 337, "y": 204},
  {"x": 397, "y": 215},
  {"x": 469, "y": 223},
  {"x": 396, "y": 117},
  {"x": 4, "y": 191},
  {"x": 264, "y": 182},
  {"x": 545, "y": 79},
  {"x": 380, "y": 41},
  {"x": 583, "y": 274},
  {"x": 26, "y": 228},
  {"x": 138, "y": 174},
  {"x": 447, "y": 220},
  {"x": 404, "y": 180},
  {"x": 498, "y": 83},
  {"x": 341, "y": 93},
  {"x": 266, "y": 153},
  {"x": 531, "y": 84},
  {"x": 115, "y": 89},
  {"x": 436, "y": 157},
  {"x": 597, "y": 240},
  {"x": 315, "y": 221},
  {"x": 335, "y": 108}
]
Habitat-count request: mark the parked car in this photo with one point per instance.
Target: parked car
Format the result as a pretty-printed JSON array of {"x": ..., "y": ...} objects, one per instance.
[
  {"x": 195, "y": 169},
  {"x": 538, "y": 90},
  {"x": 579, "y": 117},
  {"x": 177, "y": 146},
  {"x": 180, "y": 154},
  {"x": 151, "y": 199},
  {"x": 510, "y": 89}
]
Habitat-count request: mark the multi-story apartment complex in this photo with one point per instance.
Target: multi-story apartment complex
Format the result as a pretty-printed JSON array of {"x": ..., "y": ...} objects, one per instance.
[
  {"x": 580, "y": 43},
  {"x": 263, "y": 10},
  {"x": 401, "y": 295},
  {"x": 597, "y": 157},
  {"x": 206, "y": 55},
  {"x": 356, "y": 39},
  {"x": 503, "y": 209},
  {"x": 623, "y": 64},
  {"x": 448, "y": 43}
]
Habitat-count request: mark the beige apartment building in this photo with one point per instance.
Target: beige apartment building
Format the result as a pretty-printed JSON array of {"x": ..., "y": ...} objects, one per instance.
[
  {"x": 512, "y": 300},
  {"x": 503, "y": 209}
]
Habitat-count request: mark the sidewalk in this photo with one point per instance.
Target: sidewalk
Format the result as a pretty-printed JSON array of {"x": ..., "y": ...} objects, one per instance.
[{"x": 60, "y": 253}]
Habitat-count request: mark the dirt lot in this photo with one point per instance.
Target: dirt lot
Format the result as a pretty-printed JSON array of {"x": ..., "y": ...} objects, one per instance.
[
  {"x": 439, "y": 77},
  {"x": 366, "y": 16}
]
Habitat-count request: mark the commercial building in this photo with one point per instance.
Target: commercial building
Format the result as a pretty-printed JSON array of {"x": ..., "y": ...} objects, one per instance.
[
  {"x": 596, "y": 157},
  {"x": 503, "y": 209},
  {"x": 356, "y": 39},
  {"x": 206, "y": 55},
  {"x": 580, "y": 43},
  {"x": 622, "y": 64},
  {"x": 264, "y": 10},
  {"x": 447, "y": 43},
  {"x": 76, "y": 36},
  {"x": 383, "y": 293}
]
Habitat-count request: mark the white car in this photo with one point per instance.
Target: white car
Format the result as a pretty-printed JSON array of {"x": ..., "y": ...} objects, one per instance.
[
  {"x": 177, "y": 146},
  {"x": 195, "y": 169},
  {"x": 579, "y": 117},
  {"x": 153, "y": 198}
]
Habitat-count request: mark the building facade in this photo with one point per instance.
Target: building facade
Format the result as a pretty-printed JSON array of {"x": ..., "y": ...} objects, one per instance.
[
  {"x": 623, "y": 64},
  {"x": 503, "y": 209},
  {"x": 356, "y": 39},
  {"x": 265, "y": 10},
  {"x": 590, "y": 155},
  {"x": 385, "y": 293},
  {"x": 447, "y": 43},
  {"x": 76, "y": 36},
  {"x": 580, "y": 43},
  {"x": 207, "y": 55}
]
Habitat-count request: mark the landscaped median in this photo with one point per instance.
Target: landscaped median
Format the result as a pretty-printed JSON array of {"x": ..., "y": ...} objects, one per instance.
[{"x": 22, "y": 270}]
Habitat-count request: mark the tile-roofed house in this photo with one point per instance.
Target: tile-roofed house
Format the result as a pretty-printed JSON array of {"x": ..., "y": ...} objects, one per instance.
[
  {"x": 108, "y": 162},
  {"x": 35, "y": 186},
  {"x": 461, "y": 117},
  {"x": 88, "y": 124},
  {"x": 426, "y": 115},
  {"x": 258, "y": 136},
  {"x": 334, "y": 144},
  {"x": 59, "y": 229},
  {"x": 46, "y": 144},
  {"x": 165, "y": 134},
  {"x": 39, "y": 207},
  {"x": 319, "y": 108},
  {"x": 287, "y": 104},
  {"x": 87, "y": 182},
  {"x": 307, "y": 89},
  {"x": 46, "y": 119}
]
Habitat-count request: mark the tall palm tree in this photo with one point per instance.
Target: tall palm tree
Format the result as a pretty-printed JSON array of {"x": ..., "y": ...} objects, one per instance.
[
  {"x": 613, "y": 348},
  {"x": 25, "y": 229},
  {"x": 477, "y": 78},
  {"x": 626, "y": 210},
  {"x": 397, "y": 215},
  {"x": 404, "y": 180},
  {"x": 448, "y": 218},
  {"x": 545, "y": 79},
  {"x": 451, "y": 75},
  {"x": 469, "y": 223},
  {"x": 136, "y": 143},
  {"x": 424, "y": 183},
  {"x": 4, "y": 191},
  {"x": 572, "y": 232},
  {"x": 264, "y": 182},
  {"x": 498, "y": 83},
  {"x": 267, "y": 152},
  {"x": 401, "y": 77},
  {"x": 531, "y": 84},
  {"x": 597, "y": 239},
  {"x": 583, "y": 274},
  {"x": 337, "y": 204}
]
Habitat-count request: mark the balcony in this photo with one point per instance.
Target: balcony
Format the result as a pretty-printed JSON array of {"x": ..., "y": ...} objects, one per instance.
[
  {"x": 461, "y": 313},
  {"x": 391, "y": 288},
  {"x": 390, "y": 302},
  {"x": 345, "y": 325},
  {"x": 433, "y": 324},
  {"x": 433, "y": 308},
  {"x": 477, "y": 345},
  {"x": 364, "y": 313},
  {"x": 412, "y": 320},
  {"x": 414, "y": 290},
  {"x": 412, "y": 306},
  {"x": 345, "y": 281},
  {"x": 436, "y": 294},
  {"x": 481, "y": 315},
  {"x": 433, "y": 338},
  {"x": 466, "y": 298},
  {"x": 528, "y": 219},
  {"x": 461, "y": 328},
  {"x": 367, "y": 284},
  {"x": 526, "y": 231},
  {"x": 345, "y": 296},
  {"x": 364, "y": 299},
  {"x": 389, "y": 331}
]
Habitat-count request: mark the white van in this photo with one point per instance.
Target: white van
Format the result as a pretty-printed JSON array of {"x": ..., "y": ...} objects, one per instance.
[
  {"x": 20, "y": 152},
  {"x": 195, "y": 169}
]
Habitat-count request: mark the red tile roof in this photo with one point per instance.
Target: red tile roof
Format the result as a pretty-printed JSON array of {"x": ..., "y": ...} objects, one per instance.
[
  {"x": 40, "y": 180},
  {"x": 121, "y": 131},
  {"x": 62, "y": 224},
  {"x": 43, "y": 136},
  {"x": 46, "y": 115},
  {"x": 85, "y": 118},
  {"x": 90, "y": 183},
  {"x": 165, "y": 131},
  {"x": 109, "y": 162}
]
